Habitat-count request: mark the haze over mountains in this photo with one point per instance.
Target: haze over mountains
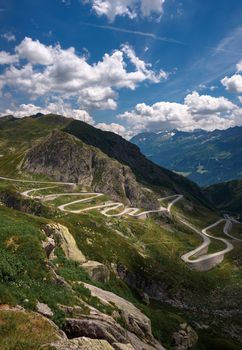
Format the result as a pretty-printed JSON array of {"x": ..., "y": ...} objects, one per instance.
[{"x": 202, "y": 156}]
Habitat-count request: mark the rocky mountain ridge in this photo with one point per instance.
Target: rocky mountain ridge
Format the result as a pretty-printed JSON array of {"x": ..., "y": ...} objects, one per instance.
[{"x": 202, "y": 156}]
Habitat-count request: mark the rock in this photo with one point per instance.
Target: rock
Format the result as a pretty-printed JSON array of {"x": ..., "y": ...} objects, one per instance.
[
  {"x": 118, "y": 346},
  {"x": 135, "y": 320},
  {"x": 49, "y": 247},
  {"x": 96, "y": 328},
  {"x": 63, "y": 237},
  {"x": 82, "y": 344},
  {"x": 44, "y": 309},
  {"x": 97, "y": 271},
  {"x": 93, "y": 344},
  {"x": 145, "y": 298},
  {"x": 97, "y": 325},
  {"x": 186, "y": 338}
]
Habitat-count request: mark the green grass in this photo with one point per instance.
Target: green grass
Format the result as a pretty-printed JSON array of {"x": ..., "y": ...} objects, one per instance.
[
  {"x": 24, "y": 331},
  {"x": 22, "y": 282}
]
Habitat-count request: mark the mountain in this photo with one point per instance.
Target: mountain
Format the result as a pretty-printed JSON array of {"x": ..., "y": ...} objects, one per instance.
[
  {"x": 226, "y": 196},
  {"x": 94, "y": 247},
  {"x": 204, "y": 157},
  {"x": 67, "y": 159},
  {"x": 18, "y": 136}
]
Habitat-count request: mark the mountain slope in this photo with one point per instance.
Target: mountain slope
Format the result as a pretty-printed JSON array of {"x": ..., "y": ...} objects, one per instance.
[
  {"x": 204, "y": 157},
  {"x": 67, "y": 159},
  {"x": 17, "y": 136},
  {"x": 226, "y": 196},
  {"x": 127, "y": 153}
]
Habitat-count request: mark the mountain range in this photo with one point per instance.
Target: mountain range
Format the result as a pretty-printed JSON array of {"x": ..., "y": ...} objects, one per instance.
[{"x": 202, "y": 156}]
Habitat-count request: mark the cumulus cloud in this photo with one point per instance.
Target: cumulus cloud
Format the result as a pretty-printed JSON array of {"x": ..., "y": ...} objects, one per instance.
[
  {"x": 7, "y": 58},
  {"x": 197, "y": 111},
  {"x": 234, "y": 83},
  {"x": 56, "y": 108},
  {"x": 35, "y": 52},
  {"x": 116, "y": 128},
  {"x": 43, "y": 70},
  {"x": 130, "y": 8},
  {"x": 239, "y": 67},
  {"x": 8, "y": 36}
]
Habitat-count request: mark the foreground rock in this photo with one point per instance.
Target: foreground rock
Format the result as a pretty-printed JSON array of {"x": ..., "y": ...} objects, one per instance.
[
  {"x": 82, "y": 344},
  {"x": 138, "y": 325}
]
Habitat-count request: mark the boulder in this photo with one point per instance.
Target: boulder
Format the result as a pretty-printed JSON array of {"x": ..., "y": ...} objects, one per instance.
[
  {"x": 97, "y": 271},
  {"x": 44, "y": 309}
]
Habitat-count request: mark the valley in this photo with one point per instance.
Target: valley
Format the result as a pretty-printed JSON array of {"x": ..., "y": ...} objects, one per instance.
[{"x": 203, "y": 262}]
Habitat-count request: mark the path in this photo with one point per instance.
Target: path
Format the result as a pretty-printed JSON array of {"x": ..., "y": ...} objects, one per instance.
[{"x": 198, "y": 258}]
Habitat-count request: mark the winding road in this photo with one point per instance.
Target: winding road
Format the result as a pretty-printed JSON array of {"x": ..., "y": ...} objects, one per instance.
[{"x": 198, "y": 258}]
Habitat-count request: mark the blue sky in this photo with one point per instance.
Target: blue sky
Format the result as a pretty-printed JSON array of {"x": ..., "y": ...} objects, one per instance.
[{"x": 169, "y": 64}]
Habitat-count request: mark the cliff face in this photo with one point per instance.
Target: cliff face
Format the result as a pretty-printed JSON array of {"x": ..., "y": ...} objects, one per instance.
[
  {"x": 68, "y": 159},
  {"x": 129, "y": 154}
]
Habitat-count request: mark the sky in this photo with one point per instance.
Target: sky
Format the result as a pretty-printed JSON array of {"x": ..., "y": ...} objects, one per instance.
[{"x": 127, "y": 66}]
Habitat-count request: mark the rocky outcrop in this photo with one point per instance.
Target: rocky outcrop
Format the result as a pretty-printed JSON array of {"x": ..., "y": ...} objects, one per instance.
[
  {"x": 68, "y": 159},
  {"x": 101, "y": 326},
  {"x": 97, "y": 271},
  {"x": 186, "y": 338},
  {"x": 49, "y": 247},
  {"x": 82, "y": 344},
  {"x": 136, "y": 322},
  {"x": 62, "y": 236},
  {"x": 118, "y": 346},
  {"x": 85, "y": 343}
]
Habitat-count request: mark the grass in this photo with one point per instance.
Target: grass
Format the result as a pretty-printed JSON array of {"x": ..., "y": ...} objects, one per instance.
[
  {"x": 22, "y": 282},
  {"x": 25, "y": 331}
]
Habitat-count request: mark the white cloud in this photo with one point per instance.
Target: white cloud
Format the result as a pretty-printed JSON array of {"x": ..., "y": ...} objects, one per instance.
[
  {"x": 35, "y": 52},
  {"x": 152, "y": 6},
  {"x": 239, "y": 67},
  {"x": 8, "y": 36},
  {"x": 116, "y": 128},
  {"x": 56, "y": 108},
  {"x": 197, "y": 111},
  {"x": 97, "y": 98},
  {"x": 53, "y": 70},
  {"x": 129, "y": 8},
  {"x": 205, "y": 104},
  {"x": 7, "y": 58},
  {"x": 233, "y": 83}
]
